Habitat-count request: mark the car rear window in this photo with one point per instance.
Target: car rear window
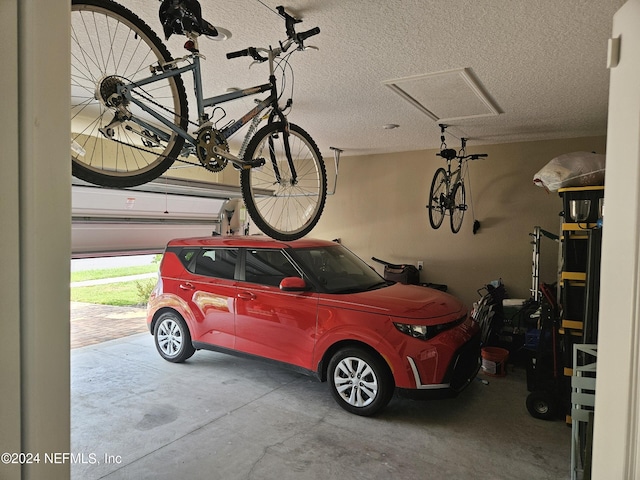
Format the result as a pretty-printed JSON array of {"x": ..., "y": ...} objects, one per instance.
[
  {"x": 186, "y": 256},
  {"x": 216, "y": 262}
]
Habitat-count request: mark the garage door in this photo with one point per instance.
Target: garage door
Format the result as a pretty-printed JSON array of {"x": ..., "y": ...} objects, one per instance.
[{"x": 109, "y": 221}]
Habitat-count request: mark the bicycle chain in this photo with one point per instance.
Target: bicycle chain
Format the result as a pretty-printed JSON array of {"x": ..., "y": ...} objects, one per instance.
[{"x": 175, "y": 159}]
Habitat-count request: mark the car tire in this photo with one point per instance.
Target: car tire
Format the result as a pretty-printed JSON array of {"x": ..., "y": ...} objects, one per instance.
[
  {"x": 172, "y": 338},
  {"x": 360, "y": 381}
]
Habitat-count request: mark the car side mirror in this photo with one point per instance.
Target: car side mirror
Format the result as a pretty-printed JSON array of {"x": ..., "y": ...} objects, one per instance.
[{"x": 293, "y": 284}]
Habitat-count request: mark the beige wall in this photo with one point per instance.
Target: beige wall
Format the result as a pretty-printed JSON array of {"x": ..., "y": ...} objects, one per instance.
[
  {"x": 36, "y": 231},
  {"x": 379, "y": 210}
]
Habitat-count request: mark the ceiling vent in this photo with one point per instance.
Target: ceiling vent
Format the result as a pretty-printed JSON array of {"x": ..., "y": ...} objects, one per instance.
[{"x": 446, "y": 96}]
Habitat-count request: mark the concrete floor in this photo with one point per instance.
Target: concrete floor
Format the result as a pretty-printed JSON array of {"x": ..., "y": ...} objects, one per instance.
[{"x": 221, "y": 417}]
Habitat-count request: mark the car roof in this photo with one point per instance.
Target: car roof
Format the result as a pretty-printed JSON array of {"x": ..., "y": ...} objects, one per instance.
[{"x": 248, "y": 241}]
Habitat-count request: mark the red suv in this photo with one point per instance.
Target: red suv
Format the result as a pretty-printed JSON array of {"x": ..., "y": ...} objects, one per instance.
[{"x": 314, "y": 306}]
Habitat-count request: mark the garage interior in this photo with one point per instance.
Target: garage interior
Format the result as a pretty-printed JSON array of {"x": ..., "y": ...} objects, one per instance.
[{"x": 377, "y": 210}]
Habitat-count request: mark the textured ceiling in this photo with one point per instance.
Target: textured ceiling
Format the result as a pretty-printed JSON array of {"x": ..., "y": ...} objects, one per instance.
[{"x": 541, "y": 62}]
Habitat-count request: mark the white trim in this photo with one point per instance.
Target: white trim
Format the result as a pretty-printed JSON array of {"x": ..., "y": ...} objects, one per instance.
[
  {"x": 419, "y": 384},
  {"x": 470, "y": 80},
  {"x": 617, "y": 405}
]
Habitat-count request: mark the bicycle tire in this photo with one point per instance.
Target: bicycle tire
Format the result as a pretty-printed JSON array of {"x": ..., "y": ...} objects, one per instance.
[
  {"x": 282, "y": 209},
  {"x": 110, "y": 45},
  {"x": 458, "y": 207},
  {"x": 437, "y": 193}
]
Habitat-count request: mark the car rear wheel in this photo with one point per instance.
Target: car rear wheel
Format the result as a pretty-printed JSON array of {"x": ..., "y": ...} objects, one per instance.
[
  {"x": 360, "y": 382},
  {"x": 172, "y": 338}
]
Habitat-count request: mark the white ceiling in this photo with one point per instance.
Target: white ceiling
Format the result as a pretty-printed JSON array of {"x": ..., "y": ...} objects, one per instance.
[{"x": 541, "y": 62}]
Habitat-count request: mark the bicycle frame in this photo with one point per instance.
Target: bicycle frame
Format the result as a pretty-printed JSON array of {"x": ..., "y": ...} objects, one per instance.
[
  {"x": 453, "y": 177},
  {"x": 170, "y": 70}
]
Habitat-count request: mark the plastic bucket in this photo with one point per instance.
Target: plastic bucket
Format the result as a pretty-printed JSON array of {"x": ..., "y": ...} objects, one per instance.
[{"x": 494, "y": 361}]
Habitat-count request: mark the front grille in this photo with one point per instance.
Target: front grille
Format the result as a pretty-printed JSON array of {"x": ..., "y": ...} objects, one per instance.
[{"x": 465, "y": 364}]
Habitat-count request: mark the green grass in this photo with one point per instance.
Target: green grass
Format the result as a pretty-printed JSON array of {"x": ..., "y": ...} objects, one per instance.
[
  {"x": 112, "y": 272},
  {"x": 134, "y": 293},
  {"x": 130, "y": 293}
]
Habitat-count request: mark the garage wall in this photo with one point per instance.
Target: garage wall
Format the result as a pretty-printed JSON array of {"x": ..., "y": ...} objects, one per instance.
[
  {"x": 34, "y": 213},
  {"x": 10, "y": 367},
  {"x": 379, "y": 210}
]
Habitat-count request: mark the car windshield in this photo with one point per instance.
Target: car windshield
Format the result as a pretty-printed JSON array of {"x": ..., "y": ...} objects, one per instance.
[{"x": 338, "y": 270}]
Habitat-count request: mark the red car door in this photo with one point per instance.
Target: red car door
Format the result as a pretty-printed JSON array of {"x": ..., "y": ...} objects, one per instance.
[
  {"x": 269, "y": 322},
  {"x": 210, "y": 292}
]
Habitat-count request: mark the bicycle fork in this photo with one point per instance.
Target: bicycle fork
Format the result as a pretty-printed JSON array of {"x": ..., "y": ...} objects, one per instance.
[{"x": 287, "y": 151}]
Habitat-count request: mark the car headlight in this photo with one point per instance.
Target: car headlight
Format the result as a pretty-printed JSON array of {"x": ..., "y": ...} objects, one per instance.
[{"x": 426, "y": 332}]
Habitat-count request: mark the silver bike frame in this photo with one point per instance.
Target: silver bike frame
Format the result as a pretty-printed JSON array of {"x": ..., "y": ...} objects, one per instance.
[{"x": 170, "y": 69}]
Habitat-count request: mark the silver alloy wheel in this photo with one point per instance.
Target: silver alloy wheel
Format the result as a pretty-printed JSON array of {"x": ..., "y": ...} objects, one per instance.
[
  {"x": 170, "y": 337},
  {"x": 355, "y": 381}
]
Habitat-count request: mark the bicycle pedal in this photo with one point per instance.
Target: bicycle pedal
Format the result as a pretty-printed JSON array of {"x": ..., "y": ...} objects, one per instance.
[{"x": 256, "y": 162}]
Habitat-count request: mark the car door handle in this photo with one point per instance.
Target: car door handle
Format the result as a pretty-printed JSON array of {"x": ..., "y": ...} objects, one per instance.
[
  {"x": 246, "y": 296},
  {"x": 187, "y": 286}
]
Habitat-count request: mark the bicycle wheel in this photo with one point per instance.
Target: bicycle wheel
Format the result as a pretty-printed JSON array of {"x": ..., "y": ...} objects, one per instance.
[
  {"x": 281, "y": 207},
  {"x": 112, "y": 47},
  {"x": 437, "y": 198},
  {"x": 458, "y": 207}
]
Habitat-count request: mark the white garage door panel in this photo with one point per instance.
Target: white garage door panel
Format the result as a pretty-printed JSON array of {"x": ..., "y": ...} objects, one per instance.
[
  {"x": 94, "y": 202},
  {"x": 110, "y": 221},
  {"x": 96, "y": 239}
]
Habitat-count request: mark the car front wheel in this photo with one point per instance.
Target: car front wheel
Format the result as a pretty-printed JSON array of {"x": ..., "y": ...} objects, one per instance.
[
  {"x": 172, "y": 338},
  {"x": 360, "y": 382}
]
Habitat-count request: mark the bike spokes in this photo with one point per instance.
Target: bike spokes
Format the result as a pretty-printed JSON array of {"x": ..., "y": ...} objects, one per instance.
[
  {"x": 114, "y": 142},
  {"x": 438, "y": 195},
  {"x": 458, "y": 207},
  {"x": 284, "y": 202}
]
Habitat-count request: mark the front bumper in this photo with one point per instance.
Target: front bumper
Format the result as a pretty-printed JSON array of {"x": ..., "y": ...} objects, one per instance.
[{"x": 463, "y": 368}]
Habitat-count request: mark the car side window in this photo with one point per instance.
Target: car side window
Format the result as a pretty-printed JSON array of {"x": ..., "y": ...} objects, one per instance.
[
  {"x": 217, "y": 262},
  {"x": 186, "y": 256},
  {"x": 268, "y": 267}
]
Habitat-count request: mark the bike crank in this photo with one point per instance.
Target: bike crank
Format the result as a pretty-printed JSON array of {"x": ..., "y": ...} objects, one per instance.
[{"x": 209, "y": 142}]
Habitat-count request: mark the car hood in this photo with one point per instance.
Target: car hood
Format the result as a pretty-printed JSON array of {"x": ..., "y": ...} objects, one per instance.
[{"x": 403, "y": 301}]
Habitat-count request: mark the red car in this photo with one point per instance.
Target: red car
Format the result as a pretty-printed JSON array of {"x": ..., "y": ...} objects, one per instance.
[{"x": 314, "y": 306}]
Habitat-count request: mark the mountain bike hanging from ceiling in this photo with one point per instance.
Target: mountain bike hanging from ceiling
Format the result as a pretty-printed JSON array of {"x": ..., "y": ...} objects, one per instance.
[
  {"x": 447, "y": 194},
  {"x": 130, "y": 122}
]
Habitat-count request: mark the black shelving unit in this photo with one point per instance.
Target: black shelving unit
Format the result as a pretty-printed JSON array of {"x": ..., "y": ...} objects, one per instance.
[
  {"x": 579, "y": 285},
  {"x": 579, "y": 289}
]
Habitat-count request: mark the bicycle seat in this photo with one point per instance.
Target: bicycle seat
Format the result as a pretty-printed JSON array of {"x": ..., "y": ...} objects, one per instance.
[
  {"x": 183, "y": 17},
  {"x": 448, "y": 154}
]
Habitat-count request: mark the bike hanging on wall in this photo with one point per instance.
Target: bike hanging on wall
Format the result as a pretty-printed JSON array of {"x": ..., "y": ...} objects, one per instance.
[
  {"x": 130, "y": 121},
  {"x": 447, "y": 195}
]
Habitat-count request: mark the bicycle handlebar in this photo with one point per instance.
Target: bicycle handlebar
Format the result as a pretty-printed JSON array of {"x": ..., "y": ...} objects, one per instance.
[
  {"x": 302, "y": 36},
  {"x": 292, "y": 37},
  {"x": 239, "y": 53},
  {"x": 248, "y": 52},
  {"x": 450, "y": 154}
]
